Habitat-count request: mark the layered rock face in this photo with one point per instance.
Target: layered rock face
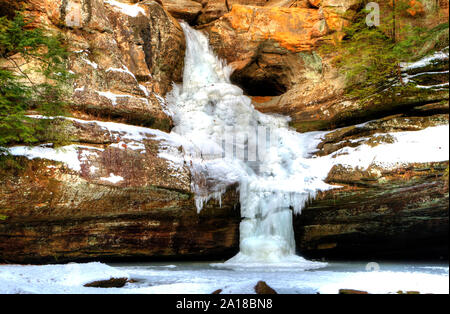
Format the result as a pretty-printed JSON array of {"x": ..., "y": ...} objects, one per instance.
[
  {"x": 400, "y": 214},
  {"x": 378, "y": 212},
  {"x": 112, "y": 198},
  {"x": 124, "y": 55}
]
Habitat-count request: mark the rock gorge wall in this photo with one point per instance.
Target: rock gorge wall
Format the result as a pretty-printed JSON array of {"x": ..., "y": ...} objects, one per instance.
[{"x": 126, "y": 60}]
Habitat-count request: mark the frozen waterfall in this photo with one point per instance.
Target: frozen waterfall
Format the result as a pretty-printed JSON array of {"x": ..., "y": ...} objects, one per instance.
[{"x": 231, "y": 142}]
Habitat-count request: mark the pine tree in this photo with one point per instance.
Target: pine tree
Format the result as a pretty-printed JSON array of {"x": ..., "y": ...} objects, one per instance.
[{"x": 43, "y": 54}]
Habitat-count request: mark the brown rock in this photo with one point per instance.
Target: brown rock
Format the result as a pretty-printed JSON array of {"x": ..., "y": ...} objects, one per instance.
[
  {"x": 338, "y": 14},
  {"x": 218, "y": 291},
  {"x": 164, "y": 46},
  {"x": 266, "y": 45},
  {"x": 187, "y": 10},
  {"x": 350, "y": 291},
  {"x": 214, "y": 9},
  {"x": 272, "y": 60},
  {"x": 354, "y": 136},
  {"x": 379, "y": 213},
  {"x": 295, "y": 29},
  {"x": 263, "y": 288},
  {"x": 110, "y": 283},
  {"x": 319, "y": 104},
  {"x": 122, "y": 62},
  {"x": 315, "y": 3},
  {"x": 65, "y": 215}
]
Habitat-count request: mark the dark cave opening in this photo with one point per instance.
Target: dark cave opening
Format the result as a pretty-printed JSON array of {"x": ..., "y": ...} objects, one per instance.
[{"x": 267, "y": 86}]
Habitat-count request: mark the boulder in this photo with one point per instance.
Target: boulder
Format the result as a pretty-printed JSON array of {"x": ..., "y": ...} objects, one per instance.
[
  {"x": 187, "y": 10},
  {"x": 351, "y": 291},
  {"x": 110, "y": 283},
  {"x": 263, "y": 288}
]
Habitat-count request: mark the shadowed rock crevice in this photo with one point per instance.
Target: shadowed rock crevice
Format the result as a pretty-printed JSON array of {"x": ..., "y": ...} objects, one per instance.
[
  {"x": 265, "y": 86},
  {"x": 263, "y": 76}
]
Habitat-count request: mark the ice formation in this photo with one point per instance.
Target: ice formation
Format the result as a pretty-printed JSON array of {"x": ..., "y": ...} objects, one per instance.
[{"x": 234, "y": 143}]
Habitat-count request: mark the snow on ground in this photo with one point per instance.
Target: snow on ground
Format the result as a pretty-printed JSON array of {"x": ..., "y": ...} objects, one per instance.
[
  {"x": 134, "y": 135},
  {"x": 428, "y": 145},
  {"x": 128, "y": 9},
  {"x": 200, "y": 278},
  {"x": 66, "y": 154},
  {"x": 124, "y": 69},
  {"x": 112, "y": 178},
  {"x": 426, "y": 61},
  {"x": 68, "y": 278}
]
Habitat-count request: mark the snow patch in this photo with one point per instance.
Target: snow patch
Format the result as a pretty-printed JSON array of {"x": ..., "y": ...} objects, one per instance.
[
  {"x": 113, "y": 97},
  {"x": 144, "y": 90},
  {"x": 128, "y": 9},
  {"x": 112, "y": 178},
  {"x": 124, "y": 69},
  {"x": 66, "y": 154},
  {"x": 426, "y": 61}
]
